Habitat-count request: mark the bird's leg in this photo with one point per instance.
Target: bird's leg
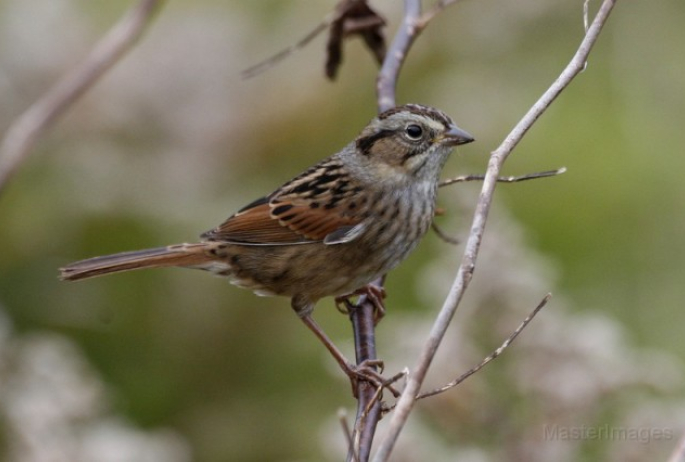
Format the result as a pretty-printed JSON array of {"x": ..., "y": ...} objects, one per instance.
[{"x": 363, "y": 371}]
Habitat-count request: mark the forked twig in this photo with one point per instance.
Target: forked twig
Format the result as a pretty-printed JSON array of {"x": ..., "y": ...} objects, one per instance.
[
  {"x": 465, "y": 272},
  {"x": 37, "y": 119}
]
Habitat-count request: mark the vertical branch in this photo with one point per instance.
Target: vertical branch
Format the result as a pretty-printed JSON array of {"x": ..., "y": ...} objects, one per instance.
[
  {"x": 362, "y": 318},
  {"x": 465, "y": 272},
  {"x": 37, "y": 119},
  {"x": 362, "y": 315},
  {"x": 390, "y": 70}
]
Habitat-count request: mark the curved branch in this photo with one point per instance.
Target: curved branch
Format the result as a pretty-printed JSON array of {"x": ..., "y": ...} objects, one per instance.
[
  {"x": 39, "y": 117},
  {"x": 465, "y": 272}
]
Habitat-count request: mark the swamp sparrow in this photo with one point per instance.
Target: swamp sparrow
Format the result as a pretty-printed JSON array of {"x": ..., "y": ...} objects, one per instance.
[{"x": 329, "y": 231}]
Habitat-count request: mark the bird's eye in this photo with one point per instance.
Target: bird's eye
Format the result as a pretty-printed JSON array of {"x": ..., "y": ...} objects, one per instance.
[{"x": 414, "y": 132}]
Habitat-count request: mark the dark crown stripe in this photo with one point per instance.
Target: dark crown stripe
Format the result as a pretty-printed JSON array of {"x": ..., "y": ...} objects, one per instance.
[{"x": 419, "y": 109}]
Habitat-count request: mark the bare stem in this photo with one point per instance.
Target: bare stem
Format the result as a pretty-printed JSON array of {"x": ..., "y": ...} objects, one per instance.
[
  {"x": 465, "y": 272},
  {"x": 504, "y": 179},
  {"x": 368, "y": 404},
  {"x": 37, "y": 119},
  {"x": 351, "y": 451},
  {"x": 270, "y": 62},
  {"x": 390, "y": 70},
  {"x": 444, "y": 236},
  {"x": 492, "y": 355}
]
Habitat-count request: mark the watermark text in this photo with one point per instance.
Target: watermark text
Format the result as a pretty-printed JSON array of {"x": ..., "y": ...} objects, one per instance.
[{"x": 607, "y": 432}]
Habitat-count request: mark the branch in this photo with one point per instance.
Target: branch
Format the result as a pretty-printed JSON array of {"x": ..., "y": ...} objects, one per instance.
[
  {"x": 270, "y": 62},
  {"x": 349, "y": 17},
  {"x": 492, "y": 355},
  {"x": 488, "y": 358},
  {"x": 504, "y": 179},
  {"x": 369, "y": 406},
  {"x": 477, "y": 177},
  {"x": 39, "y": 117},
  {"x": 352, "y": 452},
  {"x": 362, "y": 316},
  {"x": 444, "y": 236},
  {"x": 465, "y": 272},
  {"x": 501, "y": 179},
  {"x": 390, "y": 70}
]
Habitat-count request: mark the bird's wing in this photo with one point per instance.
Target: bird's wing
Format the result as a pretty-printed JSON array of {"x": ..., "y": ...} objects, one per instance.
[{"x": 321, "y": 205}]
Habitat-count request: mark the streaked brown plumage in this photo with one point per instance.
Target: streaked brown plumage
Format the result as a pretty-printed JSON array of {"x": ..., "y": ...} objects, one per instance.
[{"x": 329, "y": 231}]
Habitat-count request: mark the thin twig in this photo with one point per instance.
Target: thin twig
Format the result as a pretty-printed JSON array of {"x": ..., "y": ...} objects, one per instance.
[
  {"x": 503, "y": 179},
  {"x": 492, "y": 355},
  {"x": 270, "y": 62},
  {"x": 444, "y": 236},
  {"x": 488, "y": 358},
  {"x": 352, "y": 454},
  {"x": 349, "y": 17},
  {"x": 465, "y": 272},
  {"x": 477, "y": 177},
  {"x": 379, "y": 392},
  {"x": 37, "y": 119}
]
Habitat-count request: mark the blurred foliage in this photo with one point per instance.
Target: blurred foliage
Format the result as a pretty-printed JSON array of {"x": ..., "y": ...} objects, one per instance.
[{"x": 172, "y": 141}]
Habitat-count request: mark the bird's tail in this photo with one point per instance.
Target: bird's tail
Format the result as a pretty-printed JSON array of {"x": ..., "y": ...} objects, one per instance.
[{"x": 186, "y": 255}]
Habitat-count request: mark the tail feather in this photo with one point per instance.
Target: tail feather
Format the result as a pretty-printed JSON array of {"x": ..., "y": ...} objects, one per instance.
[{"x": 189, "y": 255}]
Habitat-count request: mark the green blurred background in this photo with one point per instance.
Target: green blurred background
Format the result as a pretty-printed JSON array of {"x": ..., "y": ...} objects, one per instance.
[{"x": 172, "y": 141}]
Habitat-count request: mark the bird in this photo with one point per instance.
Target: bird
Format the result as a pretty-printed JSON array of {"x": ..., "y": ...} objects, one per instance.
[{"x": 329, "y": 231}]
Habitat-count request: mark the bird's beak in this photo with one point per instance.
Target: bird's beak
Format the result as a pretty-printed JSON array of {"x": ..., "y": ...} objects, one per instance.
[{"x": 455, "y": 136}]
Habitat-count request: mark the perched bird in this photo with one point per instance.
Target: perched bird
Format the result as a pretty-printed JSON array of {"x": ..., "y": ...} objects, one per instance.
[{"x": 329, "y": 231}]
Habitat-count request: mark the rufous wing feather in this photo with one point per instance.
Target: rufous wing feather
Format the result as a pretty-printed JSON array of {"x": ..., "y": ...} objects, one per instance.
[
  {"x": 254, "y": 225},
  {"x": 303, "y": 211}
]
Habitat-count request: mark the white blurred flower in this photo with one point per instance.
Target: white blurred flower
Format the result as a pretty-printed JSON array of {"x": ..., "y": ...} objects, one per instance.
[{"x": 55, "y": 409}]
